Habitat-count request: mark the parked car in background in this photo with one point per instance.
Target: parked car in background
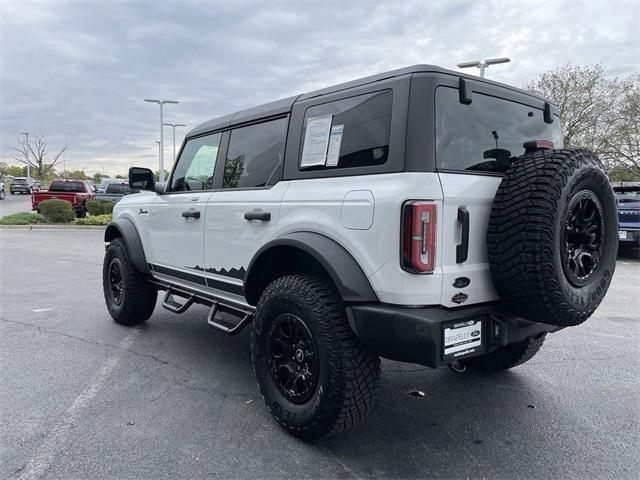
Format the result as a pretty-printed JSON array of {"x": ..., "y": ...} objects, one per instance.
[
  {"x": 77, "y": 192},
  {"x": 24, "y": 185},
  {"x": 103, "y": 185},
  {"x": 628, "y": 199},
  {"x": 2, "y": 191},
  {"x": 115, "y": 190}
]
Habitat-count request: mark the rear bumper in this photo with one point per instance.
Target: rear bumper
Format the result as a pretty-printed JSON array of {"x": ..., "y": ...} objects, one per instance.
[{"x": 415, "y": 335}]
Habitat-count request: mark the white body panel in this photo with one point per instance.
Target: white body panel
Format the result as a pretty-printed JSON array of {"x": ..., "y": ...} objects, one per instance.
[
  {"x": 317, "y": 205},
  {"x": 361, "y": 213},
  {"x": 230, "y": 241},
  {"x": 175, "y": 241},
  {"x": 475, "y": 193}
]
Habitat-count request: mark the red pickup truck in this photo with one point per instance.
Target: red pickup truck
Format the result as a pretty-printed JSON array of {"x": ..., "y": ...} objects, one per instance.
[{"x": 76, "y": 192}]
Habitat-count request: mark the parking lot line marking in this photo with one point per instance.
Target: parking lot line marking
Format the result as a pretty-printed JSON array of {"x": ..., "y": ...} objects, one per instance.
[
  {"x": 54, "y": 441},
  {"x": 38, "y": 310}
]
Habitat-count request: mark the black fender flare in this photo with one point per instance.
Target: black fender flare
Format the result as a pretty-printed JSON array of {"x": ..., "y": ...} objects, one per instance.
[
  {"x": 351, "y": 282},
  {"x": 125, "y": 228}
]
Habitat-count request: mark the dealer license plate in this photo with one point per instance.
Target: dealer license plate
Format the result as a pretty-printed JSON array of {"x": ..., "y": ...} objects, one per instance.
[
  {"x": 462, "y": 339},
  {"x": 622, "y": 234}
]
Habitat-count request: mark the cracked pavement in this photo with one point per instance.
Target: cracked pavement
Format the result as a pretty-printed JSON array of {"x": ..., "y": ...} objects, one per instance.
[{"x": 84, "y": 398}]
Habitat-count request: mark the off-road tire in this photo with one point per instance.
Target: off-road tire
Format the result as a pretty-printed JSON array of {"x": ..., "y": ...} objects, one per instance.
[
  {"x": 508, "y": 356},
  {"x": 527, "y": 236},
  {"x": 348, "y": 377},
  {"x": 138, "y": 295}
]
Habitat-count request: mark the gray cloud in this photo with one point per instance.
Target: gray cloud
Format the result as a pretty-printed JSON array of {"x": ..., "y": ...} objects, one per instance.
[{"x": 79, "y": 71}]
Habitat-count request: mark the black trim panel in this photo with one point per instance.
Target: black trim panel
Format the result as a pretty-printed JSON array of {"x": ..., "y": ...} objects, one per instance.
[
  {"x": 199, "y": 279},
  {"x": 125, "y": 228},
  {"x": 189, "y": 277}
]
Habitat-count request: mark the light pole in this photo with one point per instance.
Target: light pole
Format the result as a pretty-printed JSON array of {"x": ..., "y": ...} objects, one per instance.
[
  {"x": 161, "y": 172},
  {"x": 173, "y": 127},
  {"x": 27, "y": 152},
  {"x": 484, "y": 64},
  {"x": 161, "y": 103}
]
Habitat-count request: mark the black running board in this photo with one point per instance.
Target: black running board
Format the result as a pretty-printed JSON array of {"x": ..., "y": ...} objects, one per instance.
[{"x": 244, "y": 313}]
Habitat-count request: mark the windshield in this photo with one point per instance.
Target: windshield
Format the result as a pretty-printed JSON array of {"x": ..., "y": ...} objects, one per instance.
[
  {"x": 486, "y": 134},
  {"x": 627, "y": 194},
  {"x": 75, "y": 187}
]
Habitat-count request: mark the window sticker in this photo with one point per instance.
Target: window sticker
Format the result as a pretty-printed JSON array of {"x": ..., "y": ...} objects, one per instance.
[
  {"x": 316, "y": 140},
  {"x": 335, "y": 140}
]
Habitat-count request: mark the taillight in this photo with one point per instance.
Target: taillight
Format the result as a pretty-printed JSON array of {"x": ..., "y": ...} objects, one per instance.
[{"x": 418, "y": 236}]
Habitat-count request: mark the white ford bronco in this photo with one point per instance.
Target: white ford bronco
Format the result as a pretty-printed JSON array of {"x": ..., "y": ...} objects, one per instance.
[{"x": 421, "y": 215}]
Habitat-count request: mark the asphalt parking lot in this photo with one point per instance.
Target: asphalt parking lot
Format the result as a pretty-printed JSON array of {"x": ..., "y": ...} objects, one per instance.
[
  {"x": 82, "y": 397},
  {"x": 14, "y": 204}
]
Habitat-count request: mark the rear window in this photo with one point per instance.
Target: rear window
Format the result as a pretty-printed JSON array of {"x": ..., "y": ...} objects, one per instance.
[
  {"x": 484, "y": 135},
  {"x": 117, "y": 188},
  {"x": 74, "y": 187},
  {"x": 20, "y": 181},
  {"x": 347, "y": 133}
]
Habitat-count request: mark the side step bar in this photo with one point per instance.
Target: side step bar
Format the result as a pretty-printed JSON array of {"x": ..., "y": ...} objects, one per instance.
[
  {"x": 218, "y": 325},
  {"x": 217, "y": 306}
]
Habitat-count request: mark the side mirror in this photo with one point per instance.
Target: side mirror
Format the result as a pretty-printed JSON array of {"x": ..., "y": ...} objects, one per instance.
[{"x": 141, "y": 179}]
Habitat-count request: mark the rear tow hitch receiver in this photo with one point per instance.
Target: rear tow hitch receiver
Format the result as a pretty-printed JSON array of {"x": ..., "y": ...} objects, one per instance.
[{"x": 457, "y": 366}]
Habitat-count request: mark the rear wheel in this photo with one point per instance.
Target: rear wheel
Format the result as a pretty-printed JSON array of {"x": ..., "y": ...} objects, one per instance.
[
  {"x": 129, "y": 296},
  {"x": 315, "y": 376},
  {"x": 508, "y": 356}
]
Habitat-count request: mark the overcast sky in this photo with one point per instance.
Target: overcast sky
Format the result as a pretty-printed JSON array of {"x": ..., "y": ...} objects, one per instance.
[{"x": 78, "y": 71}]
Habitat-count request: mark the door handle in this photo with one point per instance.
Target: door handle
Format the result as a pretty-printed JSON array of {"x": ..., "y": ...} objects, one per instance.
[
  {"x": 191, "y": 213},
  {"x": 257, "y": 215},
  {"x": 462, "y": 250}
]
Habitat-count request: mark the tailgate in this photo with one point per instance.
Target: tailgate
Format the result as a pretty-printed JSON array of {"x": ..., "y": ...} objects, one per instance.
[
  {"x": 42, "y": 196},
  {"x": 473, "y": 196}
]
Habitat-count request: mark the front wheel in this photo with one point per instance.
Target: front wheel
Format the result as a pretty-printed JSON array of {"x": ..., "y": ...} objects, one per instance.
[
  {"x": 314, "y": 374},
  {"x": 129, "y": 296}
]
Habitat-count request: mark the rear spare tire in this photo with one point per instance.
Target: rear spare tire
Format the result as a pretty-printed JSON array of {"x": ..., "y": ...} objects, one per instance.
[{"x": 552, "y": 237}]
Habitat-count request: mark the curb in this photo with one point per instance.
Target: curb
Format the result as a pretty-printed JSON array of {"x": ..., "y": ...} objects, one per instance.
[{"x": 52, "y": 227}]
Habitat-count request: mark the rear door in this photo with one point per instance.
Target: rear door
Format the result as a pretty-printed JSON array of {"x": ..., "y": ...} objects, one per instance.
[
  {"x": 177, "y": 216},
  {"x": 474, "y": 143},
  {"x": 243, "y": 214}
]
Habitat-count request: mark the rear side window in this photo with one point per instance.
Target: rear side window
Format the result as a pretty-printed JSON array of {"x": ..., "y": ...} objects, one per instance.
[
  {"x": 74, "y": 187},
  {"x": 485, "y": 134},
  {"x": 347, "y": 133},
  {"x": 197, "y": 161},
  {"x": 254, "y": 158}
]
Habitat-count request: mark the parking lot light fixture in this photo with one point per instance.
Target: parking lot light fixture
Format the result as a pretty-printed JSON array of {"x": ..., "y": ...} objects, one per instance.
[
  {"x": 482, "y": 65},
  {"x": 161, "y": 154},
  {"x": 173, "y": 126}
]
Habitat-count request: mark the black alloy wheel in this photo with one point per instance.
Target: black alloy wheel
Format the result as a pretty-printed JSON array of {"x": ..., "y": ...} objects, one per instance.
[
  {"x": 116, "y": 283},
  {"x": 582, "y": 243},
  {"x": 294, "y": 358}
]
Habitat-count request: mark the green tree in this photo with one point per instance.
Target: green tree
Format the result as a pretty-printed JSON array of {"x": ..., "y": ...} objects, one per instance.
[
  {"x": 76, "y": 175},
  {"x": 597, "y": 112}
]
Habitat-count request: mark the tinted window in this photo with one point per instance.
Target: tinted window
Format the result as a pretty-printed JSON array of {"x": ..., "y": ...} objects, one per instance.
[
  {"x": 194, "y": 171},
  {"x": 255, "y": 155},
  {"x": 20, "y": 181},
  {"x": 117, "y": 188},
  {"x": 76, "y": 187},
  {"x": 487, "y": 133},
  {"x": 366, "y": 121}
]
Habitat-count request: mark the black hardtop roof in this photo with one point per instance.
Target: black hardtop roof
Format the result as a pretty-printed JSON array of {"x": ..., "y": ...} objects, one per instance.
[{"x": 284, "y": 105}]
